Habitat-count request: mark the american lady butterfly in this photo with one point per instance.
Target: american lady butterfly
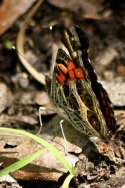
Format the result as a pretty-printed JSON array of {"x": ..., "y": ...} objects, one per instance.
[{"x": 76, "y": 90}]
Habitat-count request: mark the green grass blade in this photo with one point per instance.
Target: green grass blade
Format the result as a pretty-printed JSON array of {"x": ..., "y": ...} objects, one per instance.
[
  {"x": 39, "y": 140},
  {"x": 21, "y": 163},
  {"x": 67, "y": 181}
]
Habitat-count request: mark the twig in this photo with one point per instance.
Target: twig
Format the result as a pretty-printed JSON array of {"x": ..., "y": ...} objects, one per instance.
[{"x": 20, "y": 45}]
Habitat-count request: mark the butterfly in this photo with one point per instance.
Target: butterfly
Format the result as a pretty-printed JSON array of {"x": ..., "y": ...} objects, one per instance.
[{"x": 75, "y": 87}]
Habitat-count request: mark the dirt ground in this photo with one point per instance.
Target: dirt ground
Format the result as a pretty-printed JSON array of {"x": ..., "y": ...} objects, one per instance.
[{"x": 21, "y": 94}]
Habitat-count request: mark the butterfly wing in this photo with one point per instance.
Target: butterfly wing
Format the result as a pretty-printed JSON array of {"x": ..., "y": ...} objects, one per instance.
[
  {"x": 66, "y": 96},
  {"x": 85, "y": 101}
]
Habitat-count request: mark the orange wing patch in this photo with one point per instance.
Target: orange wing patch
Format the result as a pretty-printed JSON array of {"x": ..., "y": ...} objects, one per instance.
[{"x": 68, "y": 71}]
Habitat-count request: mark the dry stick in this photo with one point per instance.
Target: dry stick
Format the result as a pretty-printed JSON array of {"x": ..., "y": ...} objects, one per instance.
[
  {"x": 64, "y": 137},
  {"x": 20, "y": 45},
  {"x": 41, "y": 112}
]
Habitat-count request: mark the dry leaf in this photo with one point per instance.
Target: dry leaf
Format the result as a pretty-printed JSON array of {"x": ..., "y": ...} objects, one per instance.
[{"x": 11, "y": 10}]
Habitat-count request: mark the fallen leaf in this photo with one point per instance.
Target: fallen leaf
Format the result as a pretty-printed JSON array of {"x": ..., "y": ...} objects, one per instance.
[{"x": 10, "y": 12}]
